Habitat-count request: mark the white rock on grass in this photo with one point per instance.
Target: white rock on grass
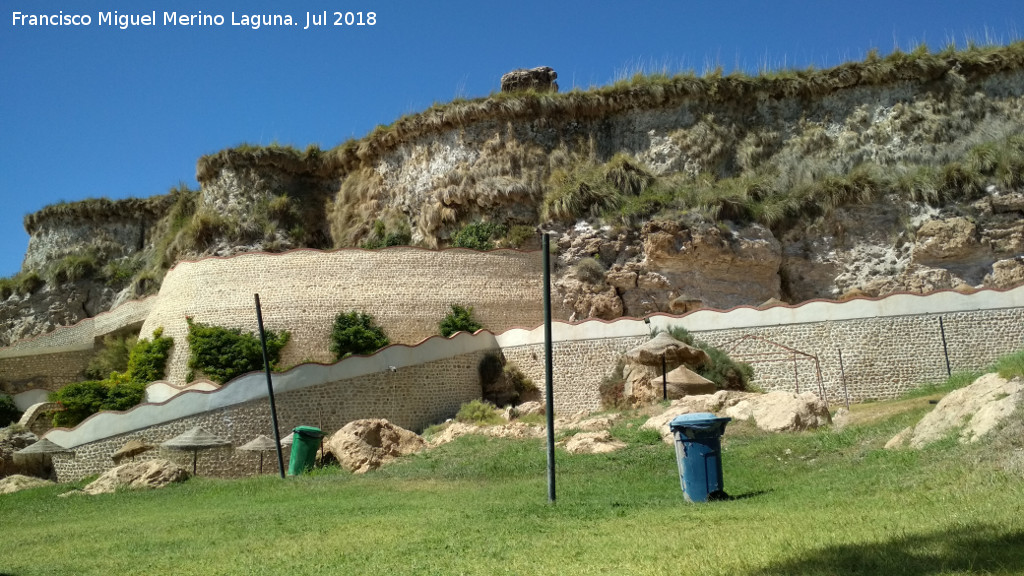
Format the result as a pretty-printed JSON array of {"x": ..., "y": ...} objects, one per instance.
[
  {"x": 599, "y": 442},
  {"x": 364, "y": 445},
  {"x": 17, "y": 482},
  {"x": 974, "y": 410},
  {"x": 146, "y": 474}
]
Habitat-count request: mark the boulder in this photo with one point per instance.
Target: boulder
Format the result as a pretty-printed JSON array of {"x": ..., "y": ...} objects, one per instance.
[
  {"x": 510, "y": 430},
  {"x": 782, "y": 411},
  {"x": 593, "y": 443},
  {"x": 773, "y": 412},
  {"x": 713, "y": 403},
  {"x": 135, "y": 475},
  {"x": 971, "y": 412},
  {"x": 541, "y": 79},
  {"x": 364, "y": 445},
  {"x": 19, "y": 482},
  {"x": 530, "y": 409}
]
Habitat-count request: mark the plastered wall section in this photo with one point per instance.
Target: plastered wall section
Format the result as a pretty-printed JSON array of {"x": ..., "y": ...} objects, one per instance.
[
  {"x": 412, "y": 397},
  {"x": 407, "y": 291}
]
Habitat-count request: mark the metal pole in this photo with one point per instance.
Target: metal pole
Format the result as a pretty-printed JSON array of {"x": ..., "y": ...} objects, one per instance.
[
  {"x": 548, "y": 395},
  {"x": 270, "y": 386},
  {"x": 945, "y": 351},
  {"x": 664, "y": 380},
  {"x": 842, "y": 370}
]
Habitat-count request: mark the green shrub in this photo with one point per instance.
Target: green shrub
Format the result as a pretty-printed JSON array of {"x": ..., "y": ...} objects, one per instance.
[
  {"x": 9, "y": 412},
  {"x": 478, "y": 235},
  {"x": 113, "y": 357},
  {"x": 118, "y": 389},
  {"x": 383, "y": 237},
  {"x": 627, "y": 175},
  {"x": 574, "y": 194},
  {"x": 356, "y": 333},
  {"x": 148, "y": 358},
  {"x": 478, "y": 412},
  {"x": 519, "y": 381},
  {"x": 589, "y": 270},
  {"x": 519, "y": 236},
  {"x": 460, "y": 319},
  {"x": 612, "y": 389},
  {"x": 225, "y": 353},
  {"x": 79, "y": 400}
]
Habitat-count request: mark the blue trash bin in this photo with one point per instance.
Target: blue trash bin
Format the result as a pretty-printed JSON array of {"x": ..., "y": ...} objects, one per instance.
[{"x": 698, "y": 439}]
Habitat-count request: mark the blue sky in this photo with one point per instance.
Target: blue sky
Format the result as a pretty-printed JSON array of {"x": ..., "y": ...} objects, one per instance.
[{"x": 92, "y": 111}]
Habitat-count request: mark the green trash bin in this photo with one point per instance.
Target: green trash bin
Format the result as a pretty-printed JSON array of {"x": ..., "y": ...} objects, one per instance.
[{"x": 305, "y": 443}]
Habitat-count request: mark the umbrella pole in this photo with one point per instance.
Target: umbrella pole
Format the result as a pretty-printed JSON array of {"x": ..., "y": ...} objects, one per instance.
[
  {"x": 195, "y": 456},
  {"x": 664, "y": 380},
  {"x": 261, "y": 462}
]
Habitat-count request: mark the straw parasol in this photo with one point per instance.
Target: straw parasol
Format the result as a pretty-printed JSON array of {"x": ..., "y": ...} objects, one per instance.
[
  {"x": 665, "y": 347},
  {"x": 43, "y": 446},
  {"x": 261, "y": 444},
  {"x": 130, "y": 450},
  {"x": 683, "y": 381},
  {"x": 287, "y": 440},
  {"x": 195, "y": 439}
]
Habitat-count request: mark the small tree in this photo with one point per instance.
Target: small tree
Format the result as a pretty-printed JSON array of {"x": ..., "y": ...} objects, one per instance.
[
  {"x": 8, "y": 410},
  {"x": 224, "y": 353},
  {"x": 459, "y": 319},
  {"x": 356, "y": 333}
]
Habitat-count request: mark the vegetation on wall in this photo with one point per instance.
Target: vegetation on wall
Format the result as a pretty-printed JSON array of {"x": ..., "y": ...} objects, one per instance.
[
  {"x": 225, "y": 353},
  {"x": 9, "y": 412},
  {"x": 460, "y": 319},
  {"x": 145, "y": 363},
  {"x": 383, "y": 236},
  {"x": 22, "y": 283},
  {"x": 356, "y": 333},
  {"x": 479, "y": 413},
  {"x": 478, "y": 235}
]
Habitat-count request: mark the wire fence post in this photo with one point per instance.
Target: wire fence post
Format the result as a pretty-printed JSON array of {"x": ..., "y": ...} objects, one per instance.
[{"x": 945, "y": 350}]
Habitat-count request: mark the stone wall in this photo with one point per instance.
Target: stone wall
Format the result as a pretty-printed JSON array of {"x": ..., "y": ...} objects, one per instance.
[
  {"x": 407, "y": 291},
  {"x": 412, "y": 397},
  {"x": 42, "y": 371}
]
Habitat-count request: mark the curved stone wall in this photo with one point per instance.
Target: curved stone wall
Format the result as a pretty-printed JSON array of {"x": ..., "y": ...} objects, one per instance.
[{"x": 407, "y": 290}]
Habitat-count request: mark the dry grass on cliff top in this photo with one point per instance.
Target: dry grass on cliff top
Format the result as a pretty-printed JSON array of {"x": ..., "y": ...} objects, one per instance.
[{"x": 825, "y": 502}]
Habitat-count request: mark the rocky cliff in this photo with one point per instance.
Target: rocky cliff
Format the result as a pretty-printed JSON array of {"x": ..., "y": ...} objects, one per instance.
[{"x": 901, "y": 173}]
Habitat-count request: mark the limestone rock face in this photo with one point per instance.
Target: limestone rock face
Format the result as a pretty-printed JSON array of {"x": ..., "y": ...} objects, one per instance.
[
  {"x": 721, "y": 268},
  {"x": 1006, "y": 273},
  {"x": 17, "y": 483},
  {"x": 974, "y": 410},
  {"x": 541, "y": 79},
  {"x": 364, "y": 445},
  {"x": 599, "y": 442},
  {"x": 147, "y": 474}
]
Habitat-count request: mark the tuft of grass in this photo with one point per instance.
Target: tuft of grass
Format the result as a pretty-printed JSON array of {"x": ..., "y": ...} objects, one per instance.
[
  {"x": 1011, "y": 366},
  {"x": 478, "y": 412}
]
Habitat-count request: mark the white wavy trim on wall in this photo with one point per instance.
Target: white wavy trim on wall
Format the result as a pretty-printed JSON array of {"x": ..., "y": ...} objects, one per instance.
[
  {"x": 747, "y": 317},
  {"x": 253, "y": 386}
]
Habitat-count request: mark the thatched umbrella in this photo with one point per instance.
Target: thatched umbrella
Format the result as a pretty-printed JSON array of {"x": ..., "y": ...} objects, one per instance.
[
  {"x": 686, "y": 381},
  {"x": 130, "y": 450},
  {"x": 287, "y": 440},
  {"x": 195, "y": 440},
  {"x": 43, "y": 446},
  {"x": 40, "y": 451},
  {"x": 663, "y": 349},
  {"x": 260, "y": 444}
]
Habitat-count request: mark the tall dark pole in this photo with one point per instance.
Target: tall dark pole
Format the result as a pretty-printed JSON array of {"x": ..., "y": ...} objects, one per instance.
[
  {"x": 270, "y": 387},
  {"x": 945, "y": 350},
  {"x": 548, "y": 395}
]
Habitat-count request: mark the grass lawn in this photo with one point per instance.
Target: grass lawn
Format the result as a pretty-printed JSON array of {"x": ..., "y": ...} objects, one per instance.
[{"x": 825, "y": 502}]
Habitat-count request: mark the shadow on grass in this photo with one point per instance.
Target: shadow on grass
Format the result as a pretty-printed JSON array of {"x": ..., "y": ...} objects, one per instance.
[{"x": 972, "y": 549}]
